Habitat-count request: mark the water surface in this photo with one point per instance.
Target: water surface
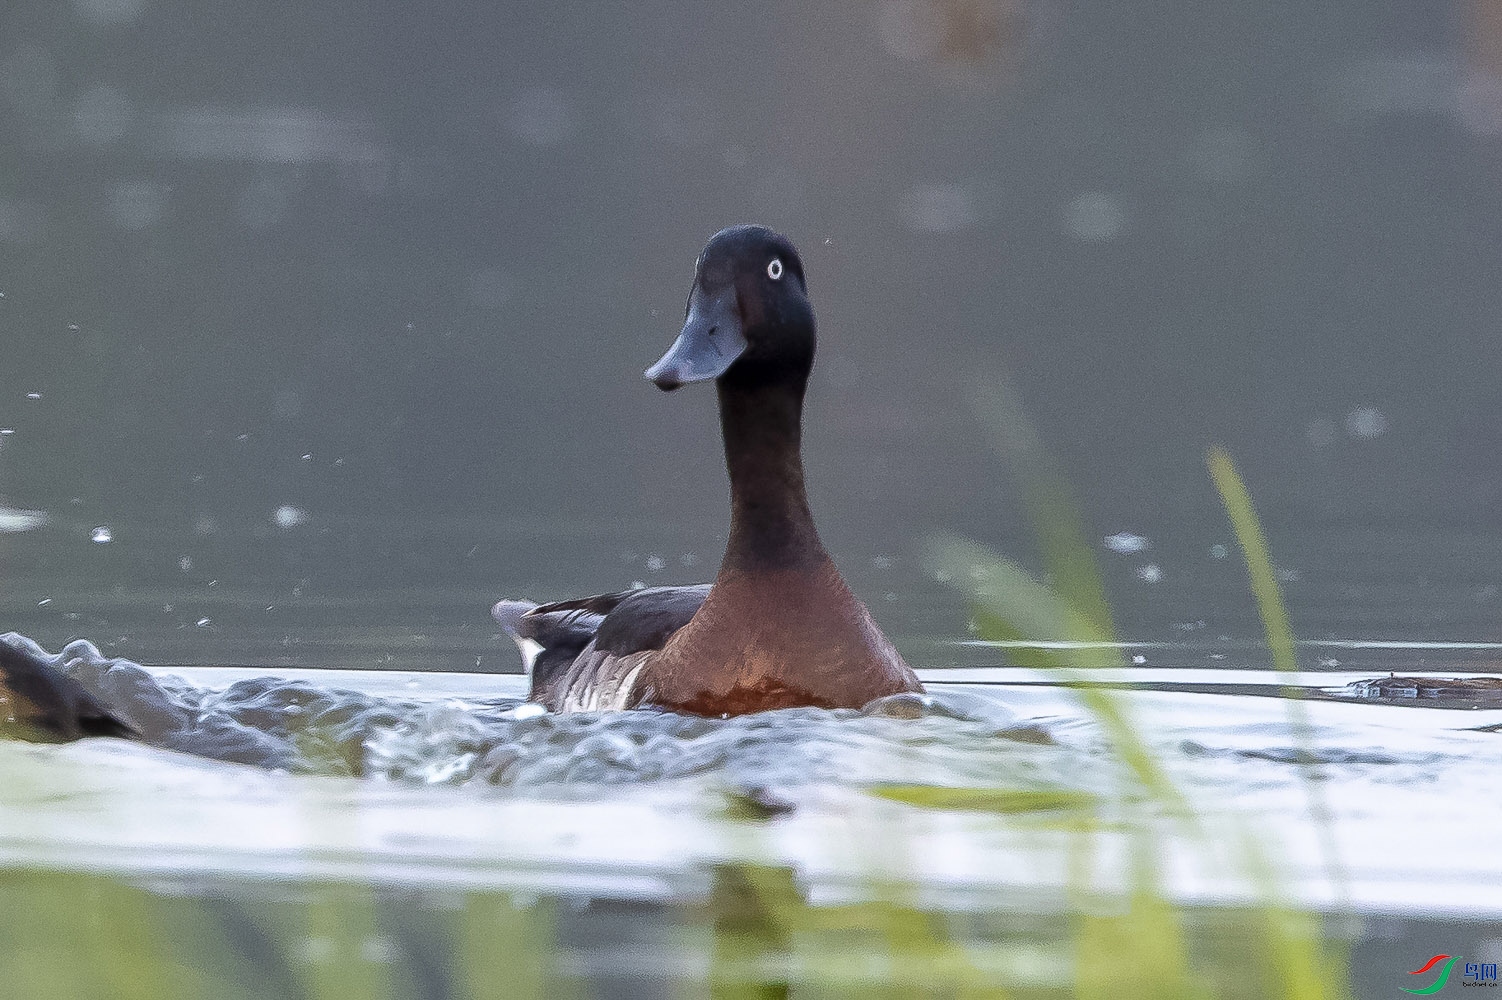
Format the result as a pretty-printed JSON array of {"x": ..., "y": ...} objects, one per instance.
[{"x": 453, "y": 775}]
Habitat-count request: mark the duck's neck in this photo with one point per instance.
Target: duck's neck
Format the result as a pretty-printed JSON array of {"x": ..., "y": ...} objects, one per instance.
[{"x": 770, "y": 523}]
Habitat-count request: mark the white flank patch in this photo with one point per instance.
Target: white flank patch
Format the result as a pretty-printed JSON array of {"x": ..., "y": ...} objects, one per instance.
[{"x": 530, "y": 648}]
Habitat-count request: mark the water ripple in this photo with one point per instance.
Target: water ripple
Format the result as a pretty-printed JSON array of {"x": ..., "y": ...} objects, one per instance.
[{"x": 308, "y": 728}]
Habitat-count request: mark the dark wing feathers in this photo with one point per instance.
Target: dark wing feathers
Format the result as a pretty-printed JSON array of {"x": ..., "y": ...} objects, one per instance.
[
  {"x": 600, "y": 604},
  {"x": 591, "y": 647},
  {"x": 645, "y": 619},
  {"x": 553, "y": 627},
  {"x": 630, "y": 621}
]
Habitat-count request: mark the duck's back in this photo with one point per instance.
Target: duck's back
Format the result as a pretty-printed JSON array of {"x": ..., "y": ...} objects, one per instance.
[{"x": 593, "y": 649}]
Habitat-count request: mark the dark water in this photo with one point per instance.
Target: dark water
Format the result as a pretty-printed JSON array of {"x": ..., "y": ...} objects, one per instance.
[
  {"x": 334, "y": 318},
  {"x": 1389, "y": 592}
]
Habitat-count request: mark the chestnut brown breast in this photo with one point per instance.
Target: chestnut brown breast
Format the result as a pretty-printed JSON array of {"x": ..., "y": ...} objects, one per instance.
[{"x": 775, "y": 639}]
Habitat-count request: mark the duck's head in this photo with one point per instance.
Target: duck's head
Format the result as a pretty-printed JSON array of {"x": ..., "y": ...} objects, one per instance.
[{"x": 749, "y": 320}]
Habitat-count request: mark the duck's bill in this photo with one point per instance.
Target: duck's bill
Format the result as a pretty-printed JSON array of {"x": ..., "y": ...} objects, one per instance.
[{"x": 710, "y": 342}]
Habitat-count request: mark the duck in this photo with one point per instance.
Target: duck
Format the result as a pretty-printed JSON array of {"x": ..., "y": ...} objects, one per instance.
[{"x": 779, "y": 627}]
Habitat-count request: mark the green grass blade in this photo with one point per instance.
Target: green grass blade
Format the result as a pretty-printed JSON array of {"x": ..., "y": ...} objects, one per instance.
[
  {"x": 1280, "y": 641},
  {"x": 1259, "y": 566},
  {"x": 1010, "y": 604},
  {"x": 1050, "y": 504},
  {"x": 1002, "y": 801}
]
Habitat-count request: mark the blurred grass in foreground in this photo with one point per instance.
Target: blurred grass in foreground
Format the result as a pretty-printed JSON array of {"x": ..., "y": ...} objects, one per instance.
[
  {"x": 65, "y": 935},
  {"x": 69, "y": 935},
  {"x": 757, "y": 934},
  {"x": 1147, "y": 946}
]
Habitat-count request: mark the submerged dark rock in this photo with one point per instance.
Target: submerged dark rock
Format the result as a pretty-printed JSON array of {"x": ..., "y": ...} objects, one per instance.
[
  {"x": 1438, "y": 692},
  {"x": 39, "y": 701}
]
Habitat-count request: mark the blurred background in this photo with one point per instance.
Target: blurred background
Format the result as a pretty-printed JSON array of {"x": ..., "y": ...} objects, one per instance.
[{"x": 323, "y": 325}]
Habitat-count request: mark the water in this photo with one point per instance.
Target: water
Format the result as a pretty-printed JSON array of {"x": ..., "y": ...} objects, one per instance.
[
  {"x": 417, "y": 785},
  {"x": 433, "y": 750}
]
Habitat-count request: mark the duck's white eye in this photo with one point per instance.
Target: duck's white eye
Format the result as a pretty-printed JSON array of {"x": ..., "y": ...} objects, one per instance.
[{"x": 774, "y": 269}]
